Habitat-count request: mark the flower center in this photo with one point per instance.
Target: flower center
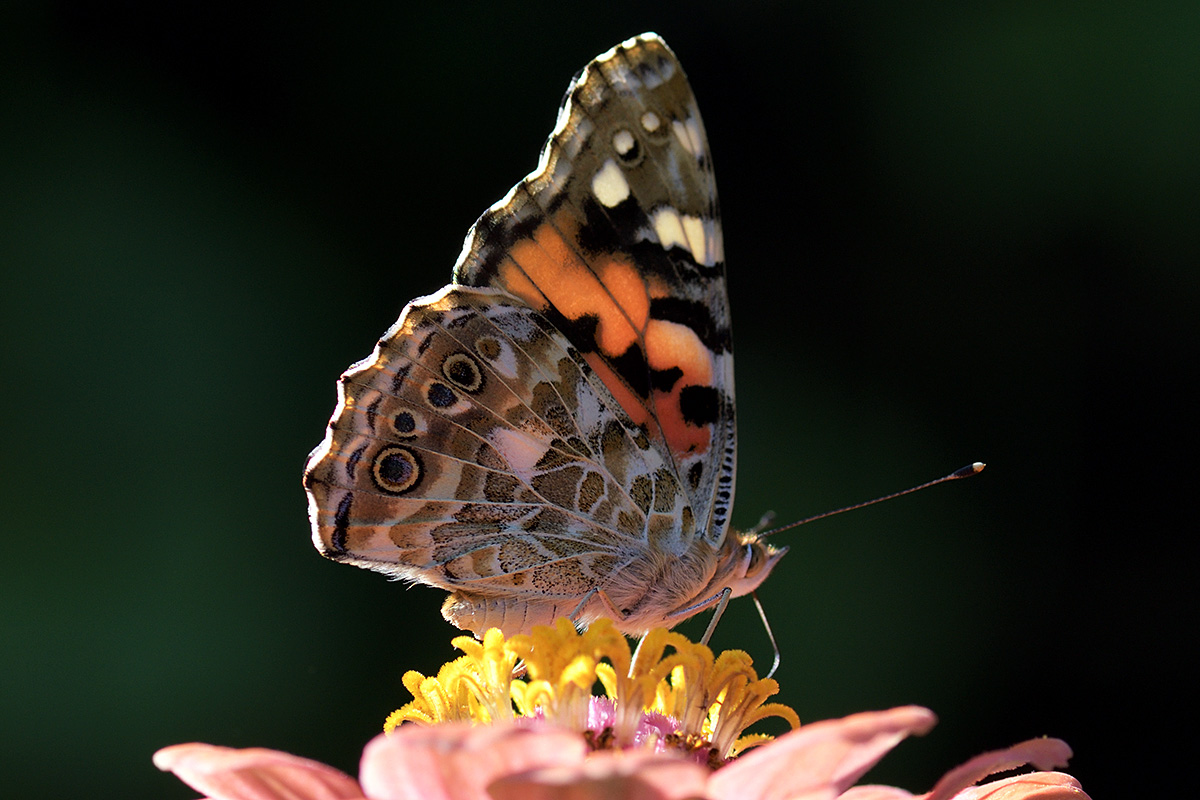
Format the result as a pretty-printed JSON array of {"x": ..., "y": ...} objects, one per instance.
[{"x": 674, "y": 694}]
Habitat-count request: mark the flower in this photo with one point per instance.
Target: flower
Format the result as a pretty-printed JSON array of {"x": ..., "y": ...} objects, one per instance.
[
  {"x": 670, "y": 725},
  {"x": 685, "y": 701}
]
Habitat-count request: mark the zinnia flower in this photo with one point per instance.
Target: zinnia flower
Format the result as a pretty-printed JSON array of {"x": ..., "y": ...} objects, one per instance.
[{"x": 670, "y": 725}]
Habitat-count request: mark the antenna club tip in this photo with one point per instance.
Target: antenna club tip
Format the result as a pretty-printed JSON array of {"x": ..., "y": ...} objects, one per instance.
[{"x": 969, "y": 470}]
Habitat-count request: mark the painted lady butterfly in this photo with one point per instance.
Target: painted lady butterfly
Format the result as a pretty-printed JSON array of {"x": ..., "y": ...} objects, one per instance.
[{"x": 552, "y": 434}]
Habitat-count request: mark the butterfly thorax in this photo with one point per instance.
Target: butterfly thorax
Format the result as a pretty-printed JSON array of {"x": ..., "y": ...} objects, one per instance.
[{"x": 743, "y": 562}]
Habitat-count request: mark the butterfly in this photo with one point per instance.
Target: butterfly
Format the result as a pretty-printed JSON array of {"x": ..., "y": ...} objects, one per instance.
[{"x": 553, "y": 433}]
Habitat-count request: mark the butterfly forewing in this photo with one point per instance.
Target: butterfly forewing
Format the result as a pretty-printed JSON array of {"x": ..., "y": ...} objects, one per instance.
[{"x": 617, "y": 238}]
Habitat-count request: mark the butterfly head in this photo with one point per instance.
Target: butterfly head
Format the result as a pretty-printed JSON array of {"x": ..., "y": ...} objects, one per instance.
[{"x": 747, "y": 563}]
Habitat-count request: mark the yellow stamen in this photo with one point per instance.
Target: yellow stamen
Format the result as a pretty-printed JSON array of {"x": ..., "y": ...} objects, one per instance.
[{"x": 709, "y": 700}]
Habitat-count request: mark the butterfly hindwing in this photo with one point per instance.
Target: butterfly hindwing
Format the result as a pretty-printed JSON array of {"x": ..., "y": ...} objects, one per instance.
[{"x": 475, "y": 448}]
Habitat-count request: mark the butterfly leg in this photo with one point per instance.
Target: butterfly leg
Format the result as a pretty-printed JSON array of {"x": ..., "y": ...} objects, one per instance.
[
  {"x": 762, "y": 614},
  {"x": 633, "y": 662},
  {"x": 722, "y": 604},
  {"x": 722, "y": 600},
  {"x": 613, "y": 612},
  {"x": 579, "y": 608}
]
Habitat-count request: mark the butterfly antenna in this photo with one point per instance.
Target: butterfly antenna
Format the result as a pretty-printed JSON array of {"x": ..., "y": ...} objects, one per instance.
[{"x": 965, "y": 472}]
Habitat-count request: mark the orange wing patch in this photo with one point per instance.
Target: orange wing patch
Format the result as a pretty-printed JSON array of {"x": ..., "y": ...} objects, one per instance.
[
  {"x": 670, "y": 344},
  {"x": 546, "y": 272}
]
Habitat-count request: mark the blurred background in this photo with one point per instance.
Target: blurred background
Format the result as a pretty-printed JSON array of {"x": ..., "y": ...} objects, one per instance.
[{"x": 953, "y": 234}]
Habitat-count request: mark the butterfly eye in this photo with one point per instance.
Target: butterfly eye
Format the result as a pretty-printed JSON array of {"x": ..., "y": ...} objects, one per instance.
[
  {"x": 396, "y": 470},
  {"x": 461, "y": 370}
]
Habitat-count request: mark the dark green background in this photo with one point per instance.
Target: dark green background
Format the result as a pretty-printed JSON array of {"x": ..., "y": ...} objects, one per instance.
[{"x": 952, "y": 234}]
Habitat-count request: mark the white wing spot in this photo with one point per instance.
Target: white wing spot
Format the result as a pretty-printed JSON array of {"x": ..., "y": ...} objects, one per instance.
[
  {"x": 520, "y": 451},
  {"x": 623, "y": 142},
  {"x": 693, "y": 228},
  {"x": 688, "y": 134},
  {"x": 556, "y": 182},
  {"x": 667, "y": 69},
  {"x": 609, "y": 185},
  {"x": 506, "y": 362},
  {"x": 699, "y": 236},
  {"x": 653, "y": 80},
  {"x": 682, "y": 136},
  {"x": 668, "y": 228},
  {"x": 612, "y": 51},
  {"x": 650, "y": 121}
]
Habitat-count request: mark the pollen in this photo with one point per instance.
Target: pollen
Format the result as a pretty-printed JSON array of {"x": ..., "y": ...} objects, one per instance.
[{"x": 673, "y": 695}]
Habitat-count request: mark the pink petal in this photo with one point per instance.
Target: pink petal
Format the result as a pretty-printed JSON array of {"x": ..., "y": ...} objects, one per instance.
[
  {"x": 225, "y": 773},
  {"x": 458, "y": 762},
  {"x": 1042, "y": 753},
  {"x": 875, "y": 792},
  {"x": 1034, "y": 786},
  {"x": 628, "y": 775},
  {"x": 819, "y": 760}
]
